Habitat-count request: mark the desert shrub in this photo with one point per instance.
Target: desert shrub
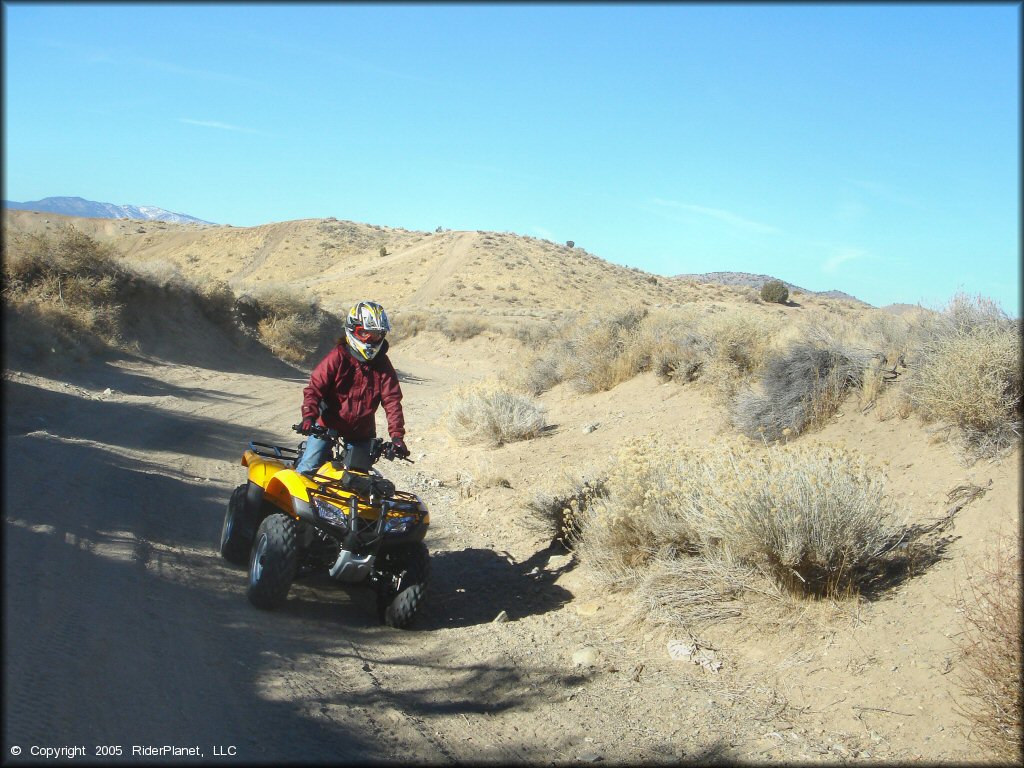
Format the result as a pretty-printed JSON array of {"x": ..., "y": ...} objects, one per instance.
[
  {"x": 775, "y": 292},
  {"x": 70, "y": 282},
  {"x": 493, "y": 413},
  {"x": 462, "y": 327},
  {"x": 601, "y": 352},
  {"x": 406, "y": 325},
  {"x": 293, "y": 338},
  {"x": 737, "y": 341},
  {"x": 217, "y": 300},
  {"x": 538, "y": 374},
  {"x": 814, "y": 519},
  {"x": 800, "y": 387},
  {"x": 966, "y": 372},
  {"x": 991, "y": 647},
  {"x": 293, "y": 326},
  {"x": 559, "y": 512}
]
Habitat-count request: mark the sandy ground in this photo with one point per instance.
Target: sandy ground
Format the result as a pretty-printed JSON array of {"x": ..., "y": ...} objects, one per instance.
[{"x": 123, "y": 626}]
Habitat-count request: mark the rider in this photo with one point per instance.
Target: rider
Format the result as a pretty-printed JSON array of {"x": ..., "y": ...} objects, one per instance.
[{"x": 348, "y": 385}]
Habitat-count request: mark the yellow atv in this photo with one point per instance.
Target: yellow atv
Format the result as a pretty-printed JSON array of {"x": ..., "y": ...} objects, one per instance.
[{"x": 346, "y": 520}]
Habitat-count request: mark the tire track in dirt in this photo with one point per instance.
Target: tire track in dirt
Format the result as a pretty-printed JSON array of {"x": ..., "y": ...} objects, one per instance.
[{"x": 448, "y": 268}]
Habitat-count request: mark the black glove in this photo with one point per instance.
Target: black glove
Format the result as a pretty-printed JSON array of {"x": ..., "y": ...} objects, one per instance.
[
  {"x": 401, "y": 450},
  {"x": 307, "y": 425}
]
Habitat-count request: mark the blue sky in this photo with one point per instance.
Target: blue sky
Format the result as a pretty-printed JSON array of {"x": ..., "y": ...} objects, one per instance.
[{"x": 870, "y": 148}]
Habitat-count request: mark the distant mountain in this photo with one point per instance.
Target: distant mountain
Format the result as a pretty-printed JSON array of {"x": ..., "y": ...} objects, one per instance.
[
  {"x": 756, "y": 281},
  {"x": 77, "y": 206}
]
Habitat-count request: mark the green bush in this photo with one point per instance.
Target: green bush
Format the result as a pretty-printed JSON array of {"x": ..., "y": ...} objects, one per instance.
[{"x": 775, "y": 292}]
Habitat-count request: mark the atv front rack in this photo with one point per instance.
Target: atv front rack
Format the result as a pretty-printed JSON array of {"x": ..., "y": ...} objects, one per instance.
[{"x": 269, "y": 451}]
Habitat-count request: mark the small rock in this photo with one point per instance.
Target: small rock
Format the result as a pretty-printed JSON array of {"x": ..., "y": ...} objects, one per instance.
[
  {"x": 585, "y": 657},
  {"x": 587, "y": 609},
  {"x": 108, "y": 391},
  {"x": 590, "y": 428},
  {"x": 500, "y": 618},
  {"x": 589, "y": 756}
]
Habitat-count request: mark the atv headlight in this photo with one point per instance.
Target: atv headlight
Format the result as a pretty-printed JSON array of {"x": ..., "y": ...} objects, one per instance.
[
  {"x": 330, "y": 513},
  {"x": 400, "y": 524}
]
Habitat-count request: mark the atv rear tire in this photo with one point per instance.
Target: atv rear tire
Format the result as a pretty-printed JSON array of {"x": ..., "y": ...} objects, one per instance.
[
  {"x": 275, "y": 555},
  {"x": 236, "y": 534},
  {"x": 411, "y": 564}
]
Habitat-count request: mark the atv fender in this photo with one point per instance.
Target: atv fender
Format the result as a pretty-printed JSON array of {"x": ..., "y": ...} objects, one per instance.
[
  {"x": 289, "y": 491},
  {"x": 261, "y": 470}
]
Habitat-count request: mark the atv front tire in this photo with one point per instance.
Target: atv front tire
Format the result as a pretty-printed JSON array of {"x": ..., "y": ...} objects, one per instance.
[
  {"x": 236, "y": 534},
  {"x": 409, "y": 566},
  {"x": 275, "y": 555}
]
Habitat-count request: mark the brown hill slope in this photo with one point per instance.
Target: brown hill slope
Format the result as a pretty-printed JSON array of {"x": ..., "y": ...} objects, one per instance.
[{"x": 493, "y": 273}]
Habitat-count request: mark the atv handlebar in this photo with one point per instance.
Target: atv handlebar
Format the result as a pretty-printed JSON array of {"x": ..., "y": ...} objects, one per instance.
[{"x": 380, "y": 446}]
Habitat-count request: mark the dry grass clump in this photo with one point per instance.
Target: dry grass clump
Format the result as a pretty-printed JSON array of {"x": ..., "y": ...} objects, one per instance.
[
  {"x": 596, "y": 353},
  {"x": 801, "y": 386},
  {"x": 493, "y": 412},
  {"x": 63, "y": 292},
  {"x": 602, "y": 352},
  {"x": 966, "y": 364},
  {"x": 559, "y": 512},
  {"x": 408, "y": 324},
  {"x": 991, "y": 647},
  {"x": 814, "y": 519},
  {"x": 737, "y": 342},
  {"x": 461, "y": 327},
  {"x": 292, "y": 325}
]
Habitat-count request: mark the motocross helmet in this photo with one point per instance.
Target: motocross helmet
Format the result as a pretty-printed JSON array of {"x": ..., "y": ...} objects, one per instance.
[{"x": 365, "y": 328}]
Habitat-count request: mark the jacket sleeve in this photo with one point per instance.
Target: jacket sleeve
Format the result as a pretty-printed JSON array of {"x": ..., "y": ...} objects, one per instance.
[
  {"x": 320, "y": 382},
  {"x": 391, "y": 398}
]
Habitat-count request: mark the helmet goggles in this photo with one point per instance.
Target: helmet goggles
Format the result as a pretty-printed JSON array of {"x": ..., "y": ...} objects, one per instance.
[{"x": 364, "y": 335}]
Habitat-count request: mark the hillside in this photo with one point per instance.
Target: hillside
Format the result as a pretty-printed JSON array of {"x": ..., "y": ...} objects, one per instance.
[
  {"x": 338, "y": 262},
  {"x": 147, "y": 445}
]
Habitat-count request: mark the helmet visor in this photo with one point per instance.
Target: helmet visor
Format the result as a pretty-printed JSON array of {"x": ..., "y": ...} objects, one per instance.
[{"x": 367, "y": 337}]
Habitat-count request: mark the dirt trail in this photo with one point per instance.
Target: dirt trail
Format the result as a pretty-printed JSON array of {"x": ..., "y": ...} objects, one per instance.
[
  {"x": 453, "y": 262},
  {"x": 123, "y": 626}
]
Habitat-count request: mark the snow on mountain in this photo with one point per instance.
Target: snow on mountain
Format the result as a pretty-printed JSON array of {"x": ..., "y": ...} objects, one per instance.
[{"x": 77, "y": 206}]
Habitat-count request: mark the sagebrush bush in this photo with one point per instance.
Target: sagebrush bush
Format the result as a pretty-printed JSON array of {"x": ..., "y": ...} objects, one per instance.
[
  {"x": 966, "y": 371},
  {"x": 737, "y": 341},
  {"x": 815, "y": 519},
  {"x": 775, "y": 292},
  {"x": 601, "y": 352},
  {"x": 800, "y": 386},
  {"x": 69, "y": 283},
  {"x": 406, "y": 325},
  {"x": 991, "y": 647},
  {"x": 293, "y": 326},
  {"x": 462, "y": 327},
  {"x": 559, "y": 512},
  {"x": 493, "y": 413}
]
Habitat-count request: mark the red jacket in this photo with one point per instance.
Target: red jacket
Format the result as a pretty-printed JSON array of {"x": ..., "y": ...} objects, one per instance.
[{"x": 351, "y": 391}]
